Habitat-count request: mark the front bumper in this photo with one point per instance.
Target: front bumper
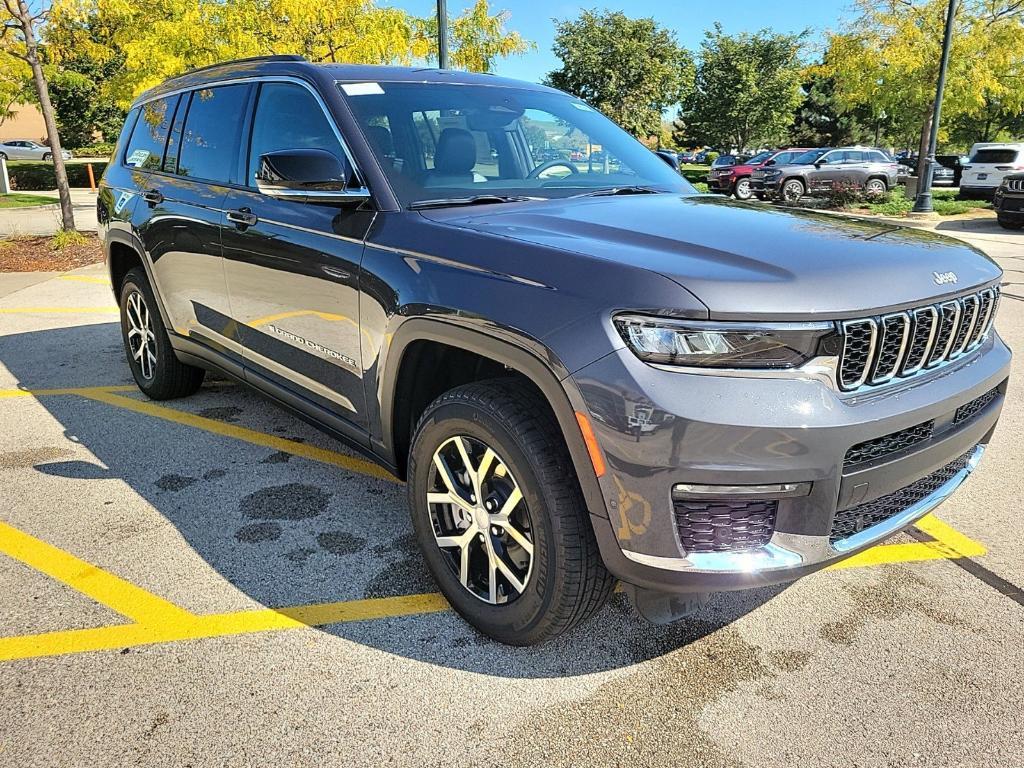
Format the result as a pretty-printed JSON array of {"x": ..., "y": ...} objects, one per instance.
[
  {"x": 720, "y": 183},
  {"x": 660, "y": 428},
  {"x": 1009, "y": 206}
]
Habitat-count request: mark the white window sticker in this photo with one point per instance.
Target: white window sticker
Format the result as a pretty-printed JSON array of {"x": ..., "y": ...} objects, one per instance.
[
  {"x": 362, "y": 89},
  {"x": 138, "y": 157}
]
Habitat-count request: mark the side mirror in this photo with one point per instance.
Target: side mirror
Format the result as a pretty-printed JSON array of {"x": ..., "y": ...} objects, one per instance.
[
  {"x": 669, "y": 157},
  {"x": 308, "y": 175},
  {"x": 770, "y": 162}
]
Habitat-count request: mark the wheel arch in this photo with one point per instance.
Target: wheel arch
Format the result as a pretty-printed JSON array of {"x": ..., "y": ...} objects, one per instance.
[{"x": 560, "y": 393}]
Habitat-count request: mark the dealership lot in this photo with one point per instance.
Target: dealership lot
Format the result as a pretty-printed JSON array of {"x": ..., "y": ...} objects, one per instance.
[{"x": 211, "y": 581}]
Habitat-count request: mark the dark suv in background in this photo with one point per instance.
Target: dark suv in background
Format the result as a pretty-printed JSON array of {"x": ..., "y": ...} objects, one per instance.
[
  {"x": 859, "y": 168},
  {"x": 585, "y": 371}
]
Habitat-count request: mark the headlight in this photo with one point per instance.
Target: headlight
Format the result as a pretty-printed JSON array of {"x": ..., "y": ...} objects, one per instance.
[{"x": 722, "y": 344}]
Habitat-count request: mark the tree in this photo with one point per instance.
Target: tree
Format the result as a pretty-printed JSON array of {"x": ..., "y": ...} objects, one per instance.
[
  {"x": 746, "y": 91},
  {"x": 157, "y": 39},
  {"x": 890, "y": 62},
  {"x": 15, "y": 85},
  {"x": 20, "y": 41},
  {"x": 630, "y": 69},
  {"x": 820, "y": 122}
]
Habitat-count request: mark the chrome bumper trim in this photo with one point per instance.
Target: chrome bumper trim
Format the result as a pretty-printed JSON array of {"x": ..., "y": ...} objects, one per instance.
[{"x": 790, "y": 550}]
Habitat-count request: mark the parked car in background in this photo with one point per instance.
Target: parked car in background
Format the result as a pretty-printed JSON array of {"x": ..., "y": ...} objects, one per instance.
[
  {"x": 1008, "y": 201},
  {"x": 955, "y": 163},
  {"x": 687, "y": 157},
  {"x": 747, "y": 179},
  {"x": 943, "y": 176},
  {"x": 988, "y": 165},
  {"x": 24, "y": 149},
  {"x": 864, "y": 168}
]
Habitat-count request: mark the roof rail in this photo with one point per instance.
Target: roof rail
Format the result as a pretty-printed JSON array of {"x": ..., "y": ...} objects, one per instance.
[{"x": 273, "y": 57}]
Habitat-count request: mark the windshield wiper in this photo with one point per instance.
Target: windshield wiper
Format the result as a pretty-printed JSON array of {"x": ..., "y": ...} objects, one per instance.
[
  {"x": 630, "y": 190},
  {"x": 444, "y": 202}
]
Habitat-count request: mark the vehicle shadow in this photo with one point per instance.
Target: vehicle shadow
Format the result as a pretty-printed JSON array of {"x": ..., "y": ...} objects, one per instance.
[{"x": 281, "y": 530}]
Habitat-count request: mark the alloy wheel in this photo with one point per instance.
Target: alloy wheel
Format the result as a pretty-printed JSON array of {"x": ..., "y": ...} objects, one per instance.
[
  {"x": 141, "y": 339},
  {"x": 792, "y": 191},
  {"x": 875, "y": 188},
  {"x": 743, "y": 189},
  {"x": 480, "y": 520}
]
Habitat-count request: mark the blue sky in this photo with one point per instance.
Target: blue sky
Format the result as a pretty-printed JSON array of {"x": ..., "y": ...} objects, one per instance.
[{"x": 687, "y": 18}]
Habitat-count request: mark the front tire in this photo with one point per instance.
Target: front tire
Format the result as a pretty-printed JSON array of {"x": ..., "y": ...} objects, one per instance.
[
  {"x": 47, "y": 156},
  {"x": 793, "y": 190},
  {"x": 499, "y": 515},
  {"x": 1006, "y": 223},
  {"x": 743, "y": 190},
  {"x": 156, "y": 368}
]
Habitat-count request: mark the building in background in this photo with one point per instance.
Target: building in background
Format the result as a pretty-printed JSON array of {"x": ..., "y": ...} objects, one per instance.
[{"x": 25, "y": 123}]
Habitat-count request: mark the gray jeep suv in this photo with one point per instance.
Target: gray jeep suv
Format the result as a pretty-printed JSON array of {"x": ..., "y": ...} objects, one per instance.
[
  {"x": 817, "y": 170},
  {"x": 585, "y": 371}
]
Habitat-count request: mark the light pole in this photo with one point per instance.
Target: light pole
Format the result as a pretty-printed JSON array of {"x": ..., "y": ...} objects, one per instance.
[
  {"x": 923, "y": 203},
  {"x": 442, "y": 34}
]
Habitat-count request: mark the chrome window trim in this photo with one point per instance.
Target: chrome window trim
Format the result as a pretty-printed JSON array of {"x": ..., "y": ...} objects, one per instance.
[
  {"x": 928, "y": 344},
  {"x": 256, "y": 79},
  {"x": 886, "y": 319},
  {"x": 870, "y": 356}
]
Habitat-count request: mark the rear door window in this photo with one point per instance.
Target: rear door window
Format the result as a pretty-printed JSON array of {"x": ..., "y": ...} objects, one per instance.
[
  {"x": 146, "y": 147},
  {"x": 993, "y": 156},
  {"x": 210, "y": 139}
]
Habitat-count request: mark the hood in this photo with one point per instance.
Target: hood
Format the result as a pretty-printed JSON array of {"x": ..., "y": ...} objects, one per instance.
[{"x": 746, "y": 260}]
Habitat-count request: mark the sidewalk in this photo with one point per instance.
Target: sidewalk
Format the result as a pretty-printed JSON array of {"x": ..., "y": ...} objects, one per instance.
[{"x": 45, "y": 220}]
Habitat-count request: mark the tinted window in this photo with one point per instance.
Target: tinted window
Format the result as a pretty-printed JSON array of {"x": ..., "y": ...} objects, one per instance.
[
  {"x": 288, "y": 117},
  {"x": 994, "y": 156},
  {"x": 209, "y": 142},
  {"x": 853, "y": 156},
  {"x": 808, "y": 157},
  {"x": 146, "y": 148},
  {"x": 174, "y": 139},
  {"x": 878, "y": 157}
]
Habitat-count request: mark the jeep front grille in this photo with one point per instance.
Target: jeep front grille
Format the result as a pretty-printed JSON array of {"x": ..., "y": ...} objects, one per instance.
[
  {"x": 1015, "y": 185},
  {"x": 876, "y": 350}
]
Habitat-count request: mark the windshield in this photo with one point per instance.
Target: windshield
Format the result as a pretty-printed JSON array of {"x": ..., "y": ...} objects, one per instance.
[
  {"x": 456, "y": 141},
  {"x": 808, "y": 157}
]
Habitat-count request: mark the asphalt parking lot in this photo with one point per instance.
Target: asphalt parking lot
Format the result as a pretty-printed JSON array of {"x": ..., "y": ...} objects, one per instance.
[{"x": 211, "y": 581}]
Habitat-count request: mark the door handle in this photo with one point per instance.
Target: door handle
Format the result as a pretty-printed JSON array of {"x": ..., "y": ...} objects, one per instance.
[
  {"x": 242, "y": 217},
  {"x": 153, "y": 196}
]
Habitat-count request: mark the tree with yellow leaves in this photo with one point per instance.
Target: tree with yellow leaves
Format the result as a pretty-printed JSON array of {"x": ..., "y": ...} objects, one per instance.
[
  {"x": 890, "y": 61},
  {"x": 161, "y": 38}
]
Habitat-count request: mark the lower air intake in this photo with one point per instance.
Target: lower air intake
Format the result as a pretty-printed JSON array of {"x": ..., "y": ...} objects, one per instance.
[{"x": 724, "y": 526}]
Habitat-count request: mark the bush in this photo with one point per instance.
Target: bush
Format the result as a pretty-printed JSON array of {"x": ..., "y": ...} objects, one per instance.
[
  {"x": 65, "y": 238},
  {"x": 711, "y": 157},
  {"x": 30, "y": 175},
  {"x": 701, "y": 186},
  {"x": 695, "y": 176},
  {"x": 100, "y": 149}
]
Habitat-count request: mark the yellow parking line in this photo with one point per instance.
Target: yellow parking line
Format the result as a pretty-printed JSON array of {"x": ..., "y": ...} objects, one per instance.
[
  {"x": 351, "y": 463},
  {"x": 86, "y": 279},
  {"x": 64, "y": 391},
  {"x": 949, "y": 544},
  {"x": 58, "y": 310},
  {"x": 103, "y": 587},
  {"x": 216, "y": 625}
]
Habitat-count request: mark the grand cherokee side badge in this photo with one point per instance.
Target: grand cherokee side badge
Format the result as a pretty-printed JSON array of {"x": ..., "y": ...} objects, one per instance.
[{"x": 943, "y": 278}]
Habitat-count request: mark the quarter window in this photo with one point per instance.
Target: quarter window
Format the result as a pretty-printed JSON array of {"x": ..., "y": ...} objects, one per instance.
[
  {"x": 209, "y": 141},
  {"x": 146, "y": 147},
  {"x": 289, "y": 117}
]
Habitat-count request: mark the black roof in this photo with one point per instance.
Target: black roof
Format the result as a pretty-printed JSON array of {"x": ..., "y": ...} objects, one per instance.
[{"x": 294, "y": 64}]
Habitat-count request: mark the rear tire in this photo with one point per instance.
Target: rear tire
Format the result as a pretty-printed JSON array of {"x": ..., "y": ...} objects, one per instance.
[
  {"x": 47, "y": 156},
  {"x": 875, "y": 188},
  {"x": 3, "y": 155},
  {"x": 1006, "y": 223},
  {"x": 562, "y": 577},
  {"x": 156, "y": 368}
]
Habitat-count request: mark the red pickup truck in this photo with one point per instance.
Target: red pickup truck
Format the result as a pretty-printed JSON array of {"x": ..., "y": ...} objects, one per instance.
[{"x": 731, "y": 174}]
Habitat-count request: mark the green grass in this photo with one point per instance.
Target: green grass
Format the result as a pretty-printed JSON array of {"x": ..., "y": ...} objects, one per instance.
[
  {"x": 943, "y": 201},
  {"x": 16, "y": 200}
]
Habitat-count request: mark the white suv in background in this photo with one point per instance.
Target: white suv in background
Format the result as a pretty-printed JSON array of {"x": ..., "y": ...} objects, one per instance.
[{"x": 989, "y": 163}]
